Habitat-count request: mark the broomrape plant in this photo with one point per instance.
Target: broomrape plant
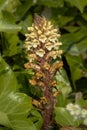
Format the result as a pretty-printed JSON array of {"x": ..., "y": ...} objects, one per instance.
[{"x": 43, "y": 50}]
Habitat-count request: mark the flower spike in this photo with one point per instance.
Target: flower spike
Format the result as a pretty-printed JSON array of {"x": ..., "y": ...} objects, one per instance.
[{"x": 42, "y": 46}]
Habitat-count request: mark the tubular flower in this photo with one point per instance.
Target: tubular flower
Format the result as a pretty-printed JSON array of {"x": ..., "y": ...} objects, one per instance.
[{"x": 43, "y": 47}]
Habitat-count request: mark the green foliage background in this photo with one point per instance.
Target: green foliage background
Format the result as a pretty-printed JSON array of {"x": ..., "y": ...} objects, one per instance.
[{"x": 70, "y": 16}]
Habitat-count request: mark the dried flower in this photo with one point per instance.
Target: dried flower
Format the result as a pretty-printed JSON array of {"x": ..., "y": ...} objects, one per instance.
[
  {"x": 44, "y": 100},
  {"x": 46, "y": 66},
  {"x": 32, "y": 82},
  {"x": 36, "y": 103}
]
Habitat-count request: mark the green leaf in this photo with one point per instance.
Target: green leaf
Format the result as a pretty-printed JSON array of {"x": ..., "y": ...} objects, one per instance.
[
  {"x": 11, "y": 48},
  {"x": 22, "y": 9},
  {"x": 80, "y": 4},
  {"x": 76, "y": 66},
  {"x": 63, "y": 117},
  {"x": 7, "y": 23},
  {"x": 4, "y": 128},
  {"x": 61, "y": 100},
  {"x": 51, "y": 3},
  {"x": 36, "y": 117},
  {"x": 63, "y": 20},
  {"x": 71, "y": 29},
  {"x": 26, "y": 23},
  {"x": 12, "y": 6},
  {"x": 82, "y": 102},
  {"x": 4, "y": 3},
  {"x": 14, "y": 106},
  {"x": 84, "y": 15},
  {"x": 70, "y": 39},
  {"x": 82, "y": 46},
  {"x": 63, "y": 82}
]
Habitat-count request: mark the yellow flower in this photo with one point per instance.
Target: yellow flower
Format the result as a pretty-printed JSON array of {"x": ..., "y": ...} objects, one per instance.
[
  {"x": 49, "y": 23},
  {"x": 54, "y": 83},
  {"x": 57, "y": 54},
  {"x": 32, "y": 57},
  {"x": 54, "y": 54},
  {"x": 53, "y": 39},
  {"x": 47, "y": 33},
  {"x": 55, "y": 94},
  {"x": 56, "y": 45},
  {"x": 35, "y": 43},
  {"x": 32, "y": 82},
  {"x": 36, "y": 27},
  {"x": 39, "y": 74},
  {"x": 49, "y": 46},
  {"x": 46, "y": 66},
  {"x": 40, "y": 52},
  {"x": 36, "y": 103},
  {"x": 42, "y": 38},
  {"x": 44, "y": 100},
  {"x": 33, "y": 35},
  {"x": 28, "y": 45},
  {"x": 39, "y": 32},
  {"x": 30, "y": 29}
]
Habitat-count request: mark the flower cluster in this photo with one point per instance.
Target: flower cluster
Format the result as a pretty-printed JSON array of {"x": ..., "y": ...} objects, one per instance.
[
  {"x": 43, "y": 47},
  {"x": 77, "y": 112},
  {"x": 42, "y": 40}
]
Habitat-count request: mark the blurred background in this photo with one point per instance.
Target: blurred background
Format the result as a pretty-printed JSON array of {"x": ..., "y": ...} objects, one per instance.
[{"x": 70, "y": 16}]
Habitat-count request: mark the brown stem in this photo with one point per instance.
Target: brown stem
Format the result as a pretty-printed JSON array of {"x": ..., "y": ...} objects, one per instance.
[{"x": 47, "y": 109}]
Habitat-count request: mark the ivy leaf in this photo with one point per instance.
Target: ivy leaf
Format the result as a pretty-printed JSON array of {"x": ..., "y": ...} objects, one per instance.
[
  {"x": 22, "y": 9},
  {"x": 14, "y": 106},
  {"x": 63, "y": 82},
  {"x": 36, "y": 117},
  {"x": 69, "y": 39},
  {"x": 80, "y": 4},
  {"x": 61, "y": 100},
  {"x": 4, "y": 3},
  {"x": 76, "y": 67},
  {"x": 82, "y": 46},
  {"x": 10, "y": 47},
  {"x": 7, "y": 23},
  {"x": 51, "y": 3},
  {"x": 63, "y": 117},
  {"x": 4, "y": 128}
]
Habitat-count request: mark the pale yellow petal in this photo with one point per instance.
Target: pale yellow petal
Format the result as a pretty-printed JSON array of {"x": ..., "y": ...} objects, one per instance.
[
  {"x": 30, "y": 29},
  {"x": 42, "y": 38},
  {"x": 49, "y": 46},
  {"x": 40, "y": 52}
]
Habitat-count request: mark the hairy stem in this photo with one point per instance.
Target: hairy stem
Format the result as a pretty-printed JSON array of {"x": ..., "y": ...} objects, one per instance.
[{"x": 48, "y": 110}]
